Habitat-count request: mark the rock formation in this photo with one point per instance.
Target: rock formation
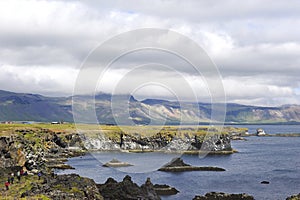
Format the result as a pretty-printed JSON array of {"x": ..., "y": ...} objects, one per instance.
[
  {"x": 116, "y": 163},
  {"x": 159, "y": 142},
  {"x": 37, "y": 148},
  {"x": 177, "y": 165},
  {"x": 127, "y": 190},
  {"x": 70, "y": 186}
]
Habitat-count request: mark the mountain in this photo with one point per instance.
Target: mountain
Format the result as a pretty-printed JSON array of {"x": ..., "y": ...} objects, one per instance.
[{"x": 128, "y": 110}]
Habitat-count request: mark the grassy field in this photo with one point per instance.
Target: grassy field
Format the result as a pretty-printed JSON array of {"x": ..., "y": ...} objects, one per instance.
[{"x": 114, "y": 132}]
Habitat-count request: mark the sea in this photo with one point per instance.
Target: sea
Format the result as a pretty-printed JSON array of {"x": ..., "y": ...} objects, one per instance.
[{"x": 272, "y": 159}]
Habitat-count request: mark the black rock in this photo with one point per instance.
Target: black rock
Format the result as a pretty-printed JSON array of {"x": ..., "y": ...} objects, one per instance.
[
  {"x": 127, "y": 190},
  {"x": 177, "y": 165},
  {"x": 176, "y": 162},
  {"x": 59, "y": 141},
  {"x": 85, "y": 188},
  {"x": 265, "y": 182}
]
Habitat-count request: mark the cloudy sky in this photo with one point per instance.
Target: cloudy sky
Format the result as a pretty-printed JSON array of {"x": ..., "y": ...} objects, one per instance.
[{"x": 254, "y": 44}]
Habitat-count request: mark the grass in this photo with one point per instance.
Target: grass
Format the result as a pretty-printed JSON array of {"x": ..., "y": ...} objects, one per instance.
[
  {"x": 15, "y": 190},
  {"x": 113, "y": 132}
]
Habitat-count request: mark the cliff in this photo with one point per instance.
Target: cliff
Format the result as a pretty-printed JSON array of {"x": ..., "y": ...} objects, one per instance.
[{"x": 167, "y": 139}]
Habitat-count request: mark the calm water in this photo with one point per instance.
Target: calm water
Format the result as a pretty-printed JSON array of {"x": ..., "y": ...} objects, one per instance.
[
  {"x": 273, "y": 129},
  {"x": 260, "y": 158}
]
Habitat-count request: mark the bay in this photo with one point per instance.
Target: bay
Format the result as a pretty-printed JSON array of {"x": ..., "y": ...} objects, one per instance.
[{"x": 274, "y": 159}]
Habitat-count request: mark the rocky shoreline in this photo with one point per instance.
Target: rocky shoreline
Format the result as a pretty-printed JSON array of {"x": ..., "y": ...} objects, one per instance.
[{"x": 40, "y": 151}]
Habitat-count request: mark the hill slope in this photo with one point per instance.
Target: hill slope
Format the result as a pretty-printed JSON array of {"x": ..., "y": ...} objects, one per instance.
[{"x": 33, "y": 107}]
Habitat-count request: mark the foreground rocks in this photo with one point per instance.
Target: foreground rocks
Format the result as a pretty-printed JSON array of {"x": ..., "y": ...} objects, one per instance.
[
  {"x": 70, "y": 186},
  {"x": 127, "y": 190},
  {"x": 39, "y": 151},
  {"x": 177, "y": 165},
  {"x": 37, "y": 148},
  {"x": 223, "y": 196}
]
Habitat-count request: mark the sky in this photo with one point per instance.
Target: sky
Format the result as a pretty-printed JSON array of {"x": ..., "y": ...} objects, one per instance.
[{"x": 255, "y": 46}]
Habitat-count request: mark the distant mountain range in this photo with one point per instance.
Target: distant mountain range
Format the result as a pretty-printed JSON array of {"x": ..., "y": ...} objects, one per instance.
[{"x": 34, "y": 107}]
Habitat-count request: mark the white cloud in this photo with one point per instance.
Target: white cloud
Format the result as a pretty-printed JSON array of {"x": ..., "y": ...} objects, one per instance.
[
  {"x": 255, "y": 44},
  {"x": 54, "y": 80}
]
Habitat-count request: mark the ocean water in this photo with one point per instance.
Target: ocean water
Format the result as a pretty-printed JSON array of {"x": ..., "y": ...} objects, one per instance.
[
  {"x": 274, "y": 159},
  {"x": 272, "y": 129}
]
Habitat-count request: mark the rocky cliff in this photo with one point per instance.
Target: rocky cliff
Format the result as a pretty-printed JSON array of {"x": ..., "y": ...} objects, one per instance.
[
  {"x": 213, "y": 142},
  {"x": 35, "y": 148}
]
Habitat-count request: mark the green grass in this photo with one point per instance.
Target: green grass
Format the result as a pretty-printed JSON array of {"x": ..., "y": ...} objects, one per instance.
[
  {"x": 15, "y": 190},
  {"x": 113, "y": 132}
]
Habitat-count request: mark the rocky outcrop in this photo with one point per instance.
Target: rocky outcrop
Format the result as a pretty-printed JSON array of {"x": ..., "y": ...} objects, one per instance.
[
  {"x": 127, "y": 190},
  {"x": 9, "y": 154},
  {"x": 70, "y": 186},
  {"x": 177, "y": 165},
  {"x": 223, "y": 196},
  {"x": 37, "y": 148},
  {"x": 159, "y": 142}
]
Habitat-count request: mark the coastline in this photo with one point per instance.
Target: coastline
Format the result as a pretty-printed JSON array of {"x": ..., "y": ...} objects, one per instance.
[{"x": 51, "y": 150}]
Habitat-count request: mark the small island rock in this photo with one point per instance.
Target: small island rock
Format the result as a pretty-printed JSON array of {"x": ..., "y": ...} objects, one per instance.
[
  {"x": 116, "y": 163},
  {"x": 265, "y": 182},
  {"x": 177, "y": 165},
  {"x": 165, "y": 190}
]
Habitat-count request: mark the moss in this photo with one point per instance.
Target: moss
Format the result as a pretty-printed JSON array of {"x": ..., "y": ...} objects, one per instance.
[{"x": 76, "y": 190}]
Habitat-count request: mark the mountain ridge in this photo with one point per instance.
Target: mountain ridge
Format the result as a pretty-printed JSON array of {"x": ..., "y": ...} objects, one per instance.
[{"x": 36, "y": 107}]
